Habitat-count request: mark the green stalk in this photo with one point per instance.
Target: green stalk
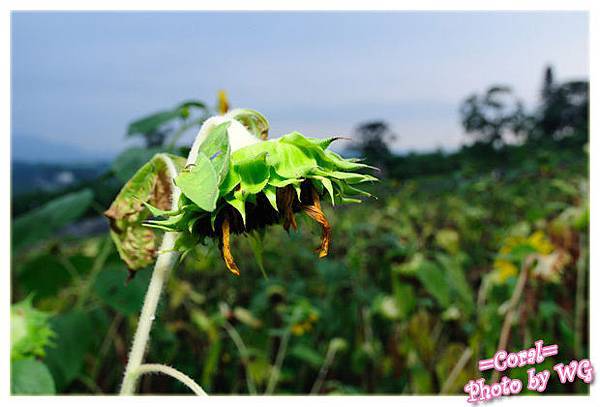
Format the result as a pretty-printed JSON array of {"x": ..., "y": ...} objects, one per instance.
[
  {"x": 165, "y": 263},
  {"x": 275, "y": 373},
  {"x": 511, "y": 310},
  {"x": 174, "y": 373},
  {"x": 244, "y": 354}
]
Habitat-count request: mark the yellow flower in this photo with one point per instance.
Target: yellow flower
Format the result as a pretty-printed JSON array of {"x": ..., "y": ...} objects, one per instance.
[
  {"x": 302, "y": 327},
  {"x": 540, "y": 243},
  {"x": 504, "y": 270},
  {"x": 298, "y": 329}
]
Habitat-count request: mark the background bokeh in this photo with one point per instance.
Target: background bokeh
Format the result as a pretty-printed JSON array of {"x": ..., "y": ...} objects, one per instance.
[{"x": 478, "y": 122}]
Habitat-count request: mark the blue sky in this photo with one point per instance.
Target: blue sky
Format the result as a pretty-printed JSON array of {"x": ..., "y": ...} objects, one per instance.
[{"x": 79, "y": 78}]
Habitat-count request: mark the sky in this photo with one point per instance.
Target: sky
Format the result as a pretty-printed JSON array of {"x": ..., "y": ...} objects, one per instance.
[{"x": 78, "y": 79}]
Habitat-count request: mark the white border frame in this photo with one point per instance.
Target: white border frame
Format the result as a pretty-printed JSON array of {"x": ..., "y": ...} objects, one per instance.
[{"x": 7, "y": 6}]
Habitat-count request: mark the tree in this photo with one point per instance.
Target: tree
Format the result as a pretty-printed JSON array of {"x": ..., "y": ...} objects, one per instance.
[
  {"x": 548, "y": 85},
  {"x": 373, "y": 140},
  {"x": 493, "y": 116},
  {"x": 564, "y": 109}
]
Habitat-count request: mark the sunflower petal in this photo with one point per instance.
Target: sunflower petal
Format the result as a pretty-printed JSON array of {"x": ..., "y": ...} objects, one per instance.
[
  {"x": 314, "y": 211},
  {"x": 226, "y": 249},
  {"x": 285, "y": 201}
]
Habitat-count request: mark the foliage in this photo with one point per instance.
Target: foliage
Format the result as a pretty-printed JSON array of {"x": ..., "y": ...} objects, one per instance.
[
  {"x": 44, "y": 221},
  {"x": 151, "y": 184},
  {"x": 29, "y": 376},
  {"x": 155, "y": 128},
  {"x": 400, "y": 287},
  {"x": 414, "y": 282},
  {"x": 29, "y": 330},
  {"x": 30, "y": 333}
]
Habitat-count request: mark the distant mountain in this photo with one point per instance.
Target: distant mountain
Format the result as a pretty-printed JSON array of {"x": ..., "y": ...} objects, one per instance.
[
  {"x": 32, "y": 149},
  {"x": 30, "y": 177}
]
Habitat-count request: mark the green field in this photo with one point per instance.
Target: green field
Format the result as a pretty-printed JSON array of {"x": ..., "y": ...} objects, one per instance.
[{"x": 419, "y": 284}]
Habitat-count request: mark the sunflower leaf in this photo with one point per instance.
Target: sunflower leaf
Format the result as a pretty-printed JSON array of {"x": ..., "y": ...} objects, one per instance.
[
  {"x": 216, "y": 147},
  {"x": 137, "y": 245},
  {"x": 200, "y": 183}
]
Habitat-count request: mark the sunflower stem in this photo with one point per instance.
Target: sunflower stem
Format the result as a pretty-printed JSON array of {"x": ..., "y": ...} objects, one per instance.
[
  {"x": 174, "y": 373},
  {"x": 166, "y": 261},
  {"x": 164, "y": 264}
]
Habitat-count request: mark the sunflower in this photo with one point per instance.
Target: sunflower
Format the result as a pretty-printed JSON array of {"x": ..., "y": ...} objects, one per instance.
[
  {"x": 514, "y": 250},
  {"x": 235, "y": 181}
]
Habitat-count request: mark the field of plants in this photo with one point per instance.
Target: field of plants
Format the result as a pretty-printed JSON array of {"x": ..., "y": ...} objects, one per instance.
[{"x": 457, "y": 256}]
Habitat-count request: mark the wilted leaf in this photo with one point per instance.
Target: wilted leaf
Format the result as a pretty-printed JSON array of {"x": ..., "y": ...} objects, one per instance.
[{"x": 137, "y": 244}]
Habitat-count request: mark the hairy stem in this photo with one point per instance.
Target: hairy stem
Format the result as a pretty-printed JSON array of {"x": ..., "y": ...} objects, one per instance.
[
  {"x": 174, "y": 373},
  {"x": 165, "y": 262}
]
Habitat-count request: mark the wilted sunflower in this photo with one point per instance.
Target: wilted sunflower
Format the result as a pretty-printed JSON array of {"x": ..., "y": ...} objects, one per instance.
[{"x": 235, "y": 181}]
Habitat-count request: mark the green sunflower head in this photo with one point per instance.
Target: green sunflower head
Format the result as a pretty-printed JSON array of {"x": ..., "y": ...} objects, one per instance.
[{"x": 235, "y": 181}]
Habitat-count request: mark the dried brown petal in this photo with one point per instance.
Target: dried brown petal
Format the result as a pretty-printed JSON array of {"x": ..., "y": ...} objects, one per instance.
[
  {"x": 226, "y": 249},
  {"x": 285, "y": 204},
  {"x": 314, "y": 211}
]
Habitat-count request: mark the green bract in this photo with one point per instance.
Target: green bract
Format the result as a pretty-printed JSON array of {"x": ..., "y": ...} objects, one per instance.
[
  {"x": 263, "y": 182},
  {"x": 30, "y": 332}
]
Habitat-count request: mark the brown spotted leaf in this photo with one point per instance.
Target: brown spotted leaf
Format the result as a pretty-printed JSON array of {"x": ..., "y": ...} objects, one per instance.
[{"x": 137, "y": 244}]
